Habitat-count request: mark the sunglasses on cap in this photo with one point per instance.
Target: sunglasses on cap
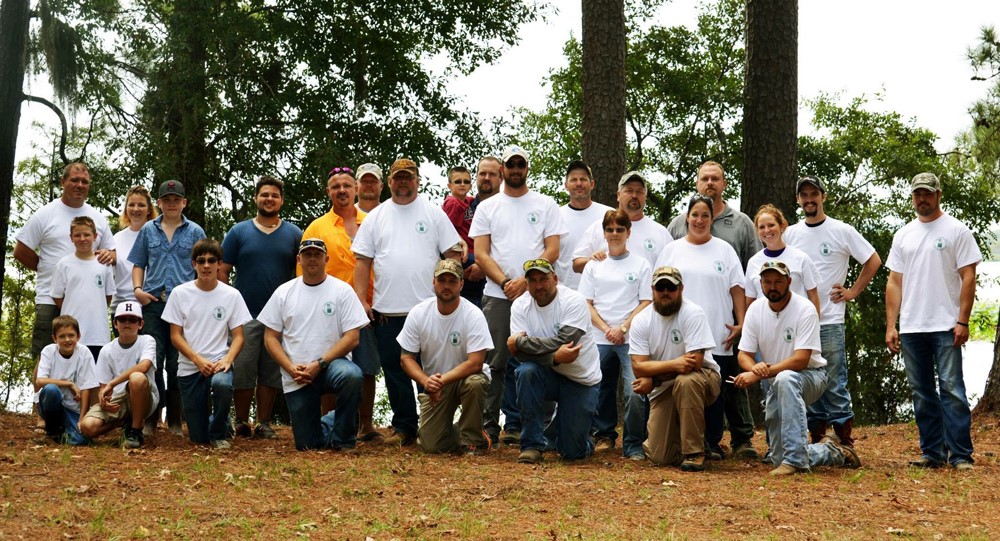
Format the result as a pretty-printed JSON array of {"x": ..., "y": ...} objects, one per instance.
[
  {"x": 665, "y": 285},
  {"x": 313, "y": 243},
  {"x": 539, "y": 263},
  {"x": 338, "y": 170}
]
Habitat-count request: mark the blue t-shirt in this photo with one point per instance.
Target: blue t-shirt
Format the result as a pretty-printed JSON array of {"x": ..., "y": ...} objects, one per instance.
[
  {"x": 266, "y": 260},
  {"x": 167, "y": 263}
]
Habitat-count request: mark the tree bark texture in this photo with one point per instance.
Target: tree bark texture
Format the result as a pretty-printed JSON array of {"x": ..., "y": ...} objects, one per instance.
[
  {"x": 604, "y": 94},
  {"x": 14, "y": 16},
  {"x": 770, "y": 106},
  {"x": 989, "y": 404}
]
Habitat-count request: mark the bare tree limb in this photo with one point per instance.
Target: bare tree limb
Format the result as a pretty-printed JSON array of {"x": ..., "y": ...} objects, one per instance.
[{"x": 62, "y": 120}]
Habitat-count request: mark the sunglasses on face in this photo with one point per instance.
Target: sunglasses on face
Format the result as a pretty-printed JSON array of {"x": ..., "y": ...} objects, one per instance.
[
  {"x": 665, "y": 285},
  {"x": 338, "y": 170},
  {"x": 461, "y": 181},
  {"x": 204, "y": 260},
  {"x": 618, "y": 230},
  {"x": 519, "y": 164},
  {"x": 128, "y": 320}
]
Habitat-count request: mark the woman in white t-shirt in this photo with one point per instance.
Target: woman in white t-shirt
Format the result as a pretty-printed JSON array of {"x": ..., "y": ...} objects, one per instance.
[
  {"x": 138, "y": 210},
  {"x": 617, "y": 288},
  {"x": 771, "y": 224}
]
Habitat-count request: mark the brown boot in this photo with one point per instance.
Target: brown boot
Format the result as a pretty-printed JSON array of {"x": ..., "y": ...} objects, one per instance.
[
  {"x": 843, "y": 432},
  {"x": 817, "y": 429}
]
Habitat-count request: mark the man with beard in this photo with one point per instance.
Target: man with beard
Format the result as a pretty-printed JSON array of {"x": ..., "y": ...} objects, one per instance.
[
  {"x": 515, "y": 226},
  {"x": 262, "y": 250},
  {"x": 785, "y": 332},
  {"x": 579, "y": 214},
  {"x": 648, "y": 237},
  {"x": 369, "y": 187},
  {"x": 401, "y": 240},
  {"x": 451, "y": 337},
  {"x": 931, "y": 287},
  {"x": 671, "y": 348},
  {"x": 831, "y": 244},
  {"x": 337, "y": 229},
  {"x": 559, "y": 362}
]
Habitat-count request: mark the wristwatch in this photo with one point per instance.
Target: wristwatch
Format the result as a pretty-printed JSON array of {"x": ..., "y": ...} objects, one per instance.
[
  {"x": 322, "y": 364},
  {"x": 624, "y": 328}
]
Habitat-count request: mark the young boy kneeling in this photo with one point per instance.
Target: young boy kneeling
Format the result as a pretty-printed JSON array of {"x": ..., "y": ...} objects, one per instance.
[
  {"x": 126, "y": 369},
  {"x": 67, "y": 382}
]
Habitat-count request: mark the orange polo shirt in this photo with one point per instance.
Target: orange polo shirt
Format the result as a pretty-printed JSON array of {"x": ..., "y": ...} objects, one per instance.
[{"x": 330, "y": 228}]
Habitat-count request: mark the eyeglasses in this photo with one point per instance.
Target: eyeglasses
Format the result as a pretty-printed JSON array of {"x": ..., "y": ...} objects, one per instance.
[
  {"x": 204, "y": 260},
  {"x": 665, "y": 285},
  {"x": 127, "y": 319},
  {"x": 462, "y": 181},
  {"x": 519, "y": 164},
  {"x": 338, "y": 170},
  {"x": 615, "y": 230}
]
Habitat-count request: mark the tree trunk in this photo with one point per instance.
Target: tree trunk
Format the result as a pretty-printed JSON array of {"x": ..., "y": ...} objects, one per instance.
[
  {"x": 770, "y": 106},
  {"x": 604, "y": 94},
  {"x": 14, "y": 16},
  {"x": 989, "y": 404}
]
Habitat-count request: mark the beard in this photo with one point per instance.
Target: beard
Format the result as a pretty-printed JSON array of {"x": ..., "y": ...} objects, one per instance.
[
  {"x": 267, "y": 213},
  {"x": 811, "y": 212},
  {"x": 516, "y": 181},
  {"x": 777, "y": 296},
  {"x": 669, "y": 307}
]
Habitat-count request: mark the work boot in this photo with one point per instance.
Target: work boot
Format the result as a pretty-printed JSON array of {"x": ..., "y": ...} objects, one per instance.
[
  {"x": 174, "y": 412},
  {"x": 843, "y": 432},
  {"x": 817, "y": 429}
]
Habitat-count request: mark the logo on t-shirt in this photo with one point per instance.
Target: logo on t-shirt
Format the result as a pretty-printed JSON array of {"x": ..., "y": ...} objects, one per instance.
[
  {"x": 649, "y": 244},
  {"x": 556, "y": 327},
  {"x": 327, "y": 308},
  {"x": 219, "y": 313},
  {"x": 675, "y": 336},
  {"x": 719, "y": 267},
  {"x": 788, "y": 334},
  {"x": 825, "y": 249},
  {"x": 455, "y": 338},
  {"x": 99, "y": 280},
  {"x": 630, "y": 277},
  {"x": 532, "y": 218},
  {"x": 939, "y": 243},
  {"x": 421, "y": 226}
]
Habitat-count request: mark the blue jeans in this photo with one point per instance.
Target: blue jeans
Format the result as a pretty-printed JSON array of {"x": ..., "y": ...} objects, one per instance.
[
  {"x": 366, "y": 354},
  {"x": 398, "y": 385},
  {"x": 166, "y": 353},
  {"x": 732, "y": 405},
  {"x": 576, "y": 404},
  {"x": 60, "y": 421},
  {"x": 785, "y": 417},
  {"x": 614, "y": 361},
  {"x": 943, "y": 417},
  {"x": 206, "y": 403},
  {"x": 337, "y": 429},
  {"x": 834, "y": 406},
  {"x": 502, "y": 395}
]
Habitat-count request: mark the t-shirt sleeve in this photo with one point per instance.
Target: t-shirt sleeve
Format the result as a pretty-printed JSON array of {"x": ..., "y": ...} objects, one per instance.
[
  {"x": 894, "y": 261},
  {"x": 696, "y": 327},
  {"x": 481, "y": 220},
  {"x": 518, "y": 322},
  {"x": 85, "y": 376},
  {"x": 554, "y": 224},
  {"x": 172, "y": 311},
  {"x": 45, "y": 361},
  {"x": 139, "y": 256},
  {"x": 109, "y": 280},
  {"x": 31, "y": 234},
  {"x": 677, "y": 227},
  {"x": 858, "y": 246},
  {"x": 241, "y": 314},
  {"x": 230, "y": 247},
  {"x": 645, "y": 282},
  {"x": 478, "y": 331},
  {"x": 810, "y": 276},
  {"x": 736, "y": 276},
  {"x": 578, "y": 315},
  {"x": 748, "y": 340},
  {"x": 270, "y": 315},
  {"x": 107, "y": 239},
  {"x": 638, "y": 338},
  {"x": 353, "y": 314},
  {"x": 103, "y": 370},
  {"x": 807, "y": 335},
  {"x": 586, "y": 287},
  {"x": 447, "y": 235},
  {"x": 966, "y": 250},
  {"x": 590, "y": 242},
  {"x": 58, "y": 287},
  {"x": 364, "y": 239},
  {"x": 409, "y": 337},
  {"x": 149, "y": 351}
]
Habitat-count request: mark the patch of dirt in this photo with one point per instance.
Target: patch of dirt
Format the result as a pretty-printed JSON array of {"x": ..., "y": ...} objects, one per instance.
[{"x": 266, "y": 489}]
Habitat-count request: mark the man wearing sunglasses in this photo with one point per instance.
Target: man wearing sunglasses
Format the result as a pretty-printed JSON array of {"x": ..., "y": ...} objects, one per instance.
[
  {"x": 785, "y": 331},
  {"x": 508, "y": 229},
  {"x": 671, "y": 348},
  {"x": 558, "y": 363},
  {"x": 401, "y": 241}
]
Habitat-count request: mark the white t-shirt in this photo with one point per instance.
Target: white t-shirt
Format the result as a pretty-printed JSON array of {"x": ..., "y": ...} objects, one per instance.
[
  {"x": 616, "y": 286},
  {"x": 206, "y": 317},
  {"x": 568, "y": 308},
  {"x": 84, "y": 286},
  {"x": 577, "y": 222},
  {"x": 777, "y": 335},
  {"x": 804, "y": 274},
  {"x": 518, "y": 227},
  {"x": 647, "y": 239},
  {"x": 47, "y": 232},
  {"x": 928, "y": 255},
  {"x": 406, "y": 242},
  {"x": 444, "y": 342},
  {"x": 830, "y": 245},
  {"x": 79, "y": 369},
  {"x": 124, "y": 290},
  {"x": 115, "y": 360},
  {"x": 311, "y": 319},
  {"x": 665, "y": 338},
  {"x": 709, "y": 270}
]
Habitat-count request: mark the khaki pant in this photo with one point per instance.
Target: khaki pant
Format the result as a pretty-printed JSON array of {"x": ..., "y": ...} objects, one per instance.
[
  {"x": 437, "y": 431},
  {"x": 676, "y": 424}
]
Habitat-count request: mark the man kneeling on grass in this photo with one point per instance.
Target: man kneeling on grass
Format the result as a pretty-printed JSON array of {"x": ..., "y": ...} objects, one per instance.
[
  {"x": 444, "y": 342},
  {"x": 126, "y": 371}
]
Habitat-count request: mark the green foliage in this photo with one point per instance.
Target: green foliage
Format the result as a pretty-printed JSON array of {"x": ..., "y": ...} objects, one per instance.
[
  {"x": 16, "y": 363},
  {"x": 983, "y": 323}
]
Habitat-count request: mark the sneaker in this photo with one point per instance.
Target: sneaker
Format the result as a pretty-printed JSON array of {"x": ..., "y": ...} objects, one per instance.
[
  {"x": 786, "y": 469},
  {"x": 529, "y": 456},
  {"x": 176, "y": 430},
  {"x": 149, "y": 428},
  {"x": 714, "y": 454},
  {"x": 851, "y": 459},
  {"x": 745, "y": 451},
  {"x": 603, "y": 445},
  {"x": 263, "y": 431},
  {"x": 693, "y": 463},
  {"x": 243, "y": 429},
  {"x": 373, "y": 436},
  {"x": 511, "y": 437},
  {"x": 400, "y": 440},
  {"x": 221, "y": 444},
  {"x": 638, "y": 457},
  {"x": 926, "y": 462},
  {"x": 964, "y": 465},
  {"x": 133, "y": 437}
]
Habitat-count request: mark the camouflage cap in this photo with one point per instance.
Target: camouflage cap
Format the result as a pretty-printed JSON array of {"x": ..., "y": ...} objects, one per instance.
[
  {"x": 810, "y": 179},
  {"x": 448, "y": 266},
  {"x": 538, "y": 264},
  {"x": 925, "y": 181},
  {"x": 671, "y": 274},
  {"x": 777, "y": 266},
  {"x": 403, "y": 164}
]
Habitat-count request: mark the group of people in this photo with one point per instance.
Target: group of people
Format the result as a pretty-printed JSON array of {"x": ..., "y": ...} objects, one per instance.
[{"x": 502, "y": 302}]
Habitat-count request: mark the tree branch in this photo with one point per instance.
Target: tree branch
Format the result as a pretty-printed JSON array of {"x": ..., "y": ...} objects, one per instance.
[{"x": 62, "y": 121}]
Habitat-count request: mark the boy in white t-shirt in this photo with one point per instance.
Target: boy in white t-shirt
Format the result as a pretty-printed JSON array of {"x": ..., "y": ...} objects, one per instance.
[
  {"x": 82, "y": 287},
  {"x": 126, "y": 370},
  {"x": 201, "y": 313},
  {"x": 67, "y": 381}
]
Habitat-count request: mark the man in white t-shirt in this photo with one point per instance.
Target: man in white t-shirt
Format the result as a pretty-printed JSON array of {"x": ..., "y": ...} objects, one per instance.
[
  {"x": 671, "y": 349},
  {"x": 450, "y": 335},
  {"x": 648, "y": 237},
  {"x": 830, "y": 244},
  {"x": 43, "y": 241},
  {"x": 403, "y": 239},
  {"x": 559, "y": 362},
  {"x": 579, "y": 214},
  {"x": 785, "y": 332},
  {"x": 513, "y": 226},
  {"x": 312, "y": 323},
  {"x": 930, "y": 291}
]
